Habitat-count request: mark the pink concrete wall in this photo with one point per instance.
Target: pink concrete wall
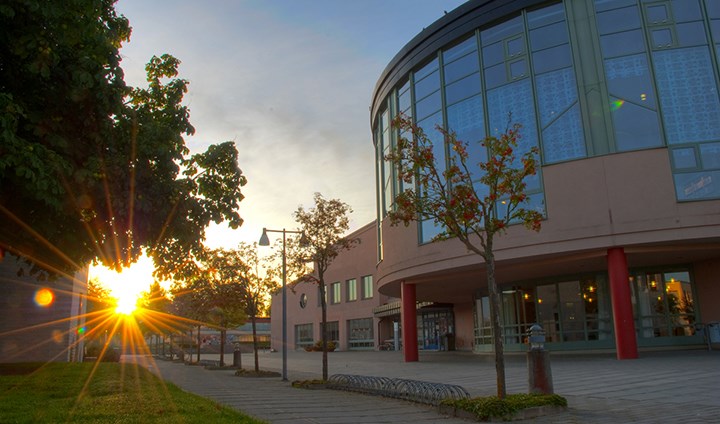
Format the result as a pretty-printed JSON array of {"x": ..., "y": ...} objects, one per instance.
[{"x": 624, "y": 199}]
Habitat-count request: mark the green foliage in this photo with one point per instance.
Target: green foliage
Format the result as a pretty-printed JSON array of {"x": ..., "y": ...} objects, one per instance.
[
  {"x": 493, "y": 407},
  {"x": 116, "y": 393},
  {"x": 97, "y": 349},
  {"x": 89, "y": 167}
]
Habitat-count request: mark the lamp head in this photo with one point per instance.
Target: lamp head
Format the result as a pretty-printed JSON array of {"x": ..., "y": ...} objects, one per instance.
[{"x": 264, "y": 240}]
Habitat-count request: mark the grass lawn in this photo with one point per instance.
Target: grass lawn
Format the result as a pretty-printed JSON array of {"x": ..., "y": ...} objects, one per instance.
[{"x": 114, "y": 393}]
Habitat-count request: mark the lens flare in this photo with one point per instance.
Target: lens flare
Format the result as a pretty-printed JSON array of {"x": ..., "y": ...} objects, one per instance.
[
  {"x": 617, "y": 104},
  {"x": 126, "y": 305},
  {"x": 44, "y": 297}
]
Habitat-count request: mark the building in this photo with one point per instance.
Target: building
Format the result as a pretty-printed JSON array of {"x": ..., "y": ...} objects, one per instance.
[
  {"x": 40, "y": 321},
  {"x": 621, "y": 98}
]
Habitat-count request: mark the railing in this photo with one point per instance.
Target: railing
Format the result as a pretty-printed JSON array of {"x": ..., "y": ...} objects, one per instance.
[{"x": 413, "y": 390}]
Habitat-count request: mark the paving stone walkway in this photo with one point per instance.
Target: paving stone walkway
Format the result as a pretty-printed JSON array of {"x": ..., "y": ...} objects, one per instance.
[{"x": 659, "y": 387}]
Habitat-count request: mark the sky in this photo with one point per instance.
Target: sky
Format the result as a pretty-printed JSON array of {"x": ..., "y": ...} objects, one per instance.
[{"x": 290, "y": 82}]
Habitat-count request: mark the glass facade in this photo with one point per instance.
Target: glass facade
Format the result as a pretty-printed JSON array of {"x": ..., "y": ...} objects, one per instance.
[
  {"x": 303, "y": 335},
  {"x": 577, "y": 312},
  {"x": 360, "y": 334},
  {"x": 657, "y": 88}
]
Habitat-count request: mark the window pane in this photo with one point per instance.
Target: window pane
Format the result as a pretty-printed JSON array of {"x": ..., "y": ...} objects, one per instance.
[
  {"x": 548, "y": 36},
  {"x": 495, "y": 76},
  {"x": 713, "y": 8},
  {"x": 518, "y": 69},
  {"x": 428, "y": 105},
  {"x": 629, "y": 80},
  {"x": 618, "y": 20},
  {"x": 367, "y": 287},
  {"x": 662, "y": 38},
  {"x": 514, "y": 102},
  {"x": 461, "y": 67},
  {"x": 687, "y": 10},
  {"x": 460, "y": 50},
  {"x": 404, "y": 102},
  {"x": 552, "y": 59},
  {"x": 427, "y": 85},
  {"x": 467, "y": 120},
  {"x": 429, "y": 230},
  {"x": 429, "y": 127},
  {"x": 691, "y": 34},
  {"x": 622, "y": 43},
  {"x": 715, "y": 27},
  {"x": 547, "y": 310},
  {"x": 546, "y": 15},
  {"x": 635, "y": 127},
  {"x": 710, "y": 154},
  {"x": 493, "y": 54},
  {"x": 426, "y": 70},
  {"x": 466, "y": 87},
  {"x": 556, "y": 93},
  {"x": 504, "y": 30},
  {"x": 658, "y": 13},
  {"x": 564, "y": 139},
  {"x": 351, "y": 290},
  {"x": 601, "y": 5},
  {"x": 698, "y": 185},
  {"x": 684, "y": 158},
  {"x": 515, "y": 46},
  {"x": 688, "y": 94}
]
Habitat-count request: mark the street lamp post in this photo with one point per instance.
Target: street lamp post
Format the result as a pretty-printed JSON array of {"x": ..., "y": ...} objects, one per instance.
[{"x": 264, "y": 241}]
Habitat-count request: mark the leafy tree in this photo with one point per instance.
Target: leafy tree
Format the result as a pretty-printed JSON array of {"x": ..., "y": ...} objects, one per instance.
[
  {"x": 188, "y": 304},
  {"x": 472, "y": 213},
  {"x": 152, "y": 316},
  {"x": 239, "y": 268},
  {"x": 89, "y": 167},
  {"x": 323, "y": 228}
]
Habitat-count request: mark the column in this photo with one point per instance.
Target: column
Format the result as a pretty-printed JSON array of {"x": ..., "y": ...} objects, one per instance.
[
  {"x": 409, "y": 322},
  {"x": 625, "y": 337}
]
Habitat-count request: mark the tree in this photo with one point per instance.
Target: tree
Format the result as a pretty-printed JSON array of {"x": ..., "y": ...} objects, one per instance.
[
  {"x": 89, "y": 167},
  {"x": 188, "y": 303},
  {"x": 239, "y": 267},
  {"x": 472, "y": 213},
  {"x": 323, "y": 228},
  {"x": 153, "y": 314}
]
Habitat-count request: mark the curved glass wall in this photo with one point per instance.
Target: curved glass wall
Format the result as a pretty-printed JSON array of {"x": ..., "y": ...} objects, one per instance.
[{"x": 657, "y": 88}]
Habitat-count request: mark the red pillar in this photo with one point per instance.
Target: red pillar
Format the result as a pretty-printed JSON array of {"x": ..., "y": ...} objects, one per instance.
[
  {"x": 408, "y": 313},
  {"x": 625, "y": 338}
]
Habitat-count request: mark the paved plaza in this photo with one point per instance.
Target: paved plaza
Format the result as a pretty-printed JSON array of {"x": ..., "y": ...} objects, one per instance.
[{"x": 668, "y": 386}]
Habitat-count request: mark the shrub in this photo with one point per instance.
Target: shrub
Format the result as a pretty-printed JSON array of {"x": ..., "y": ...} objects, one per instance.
[
  {"x": 317, "y": 347},
  {"x": 493, "y": 407}
]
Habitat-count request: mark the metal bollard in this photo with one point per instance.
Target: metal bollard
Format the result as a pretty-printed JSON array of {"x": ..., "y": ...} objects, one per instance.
[
  {"x": 237, "y": 356},
  {"x": 538, "y": 359}
]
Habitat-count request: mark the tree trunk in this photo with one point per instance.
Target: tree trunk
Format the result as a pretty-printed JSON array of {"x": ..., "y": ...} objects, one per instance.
[
  {"x": 222, "y": 346},
  {"x": 255, "y": 345},
  {"x": 323, "y": 335},
  {"x": 495, "y": 318}
]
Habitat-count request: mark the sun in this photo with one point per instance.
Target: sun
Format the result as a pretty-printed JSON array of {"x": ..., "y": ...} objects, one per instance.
[{"x": 126, "y": 287}]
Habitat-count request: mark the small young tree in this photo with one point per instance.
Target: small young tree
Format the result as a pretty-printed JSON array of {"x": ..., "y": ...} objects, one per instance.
[
  {"x": 447, "y": 194},
  {"x": 323, "y": 228}
]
